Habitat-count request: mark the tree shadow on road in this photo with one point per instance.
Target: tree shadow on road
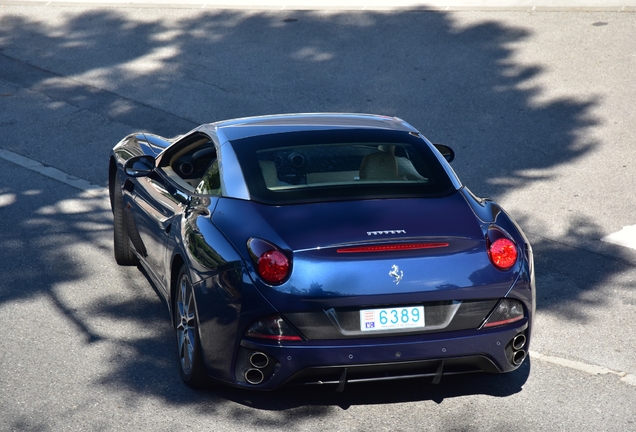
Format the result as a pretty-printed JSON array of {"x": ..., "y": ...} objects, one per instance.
[{"x": 456, "y": 80}]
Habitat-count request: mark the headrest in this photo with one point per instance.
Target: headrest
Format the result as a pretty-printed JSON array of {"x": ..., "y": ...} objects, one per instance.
[
  {"x": 268, "y": 168},
  {"x": 379, "y": 166}
]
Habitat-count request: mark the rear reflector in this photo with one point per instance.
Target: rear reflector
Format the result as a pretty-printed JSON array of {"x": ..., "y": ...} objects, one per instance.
[
  {"x": 506, "y": 312},
  {"x": 391, "y": 247},
  {"x": 272, "y": 328}
]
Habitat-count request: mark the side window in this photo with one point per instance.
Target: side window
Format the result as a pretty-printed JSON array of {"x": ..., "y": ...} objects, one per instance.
[
  {"x": 188, "y": 162},
  {"x": 211, "y": 182}
]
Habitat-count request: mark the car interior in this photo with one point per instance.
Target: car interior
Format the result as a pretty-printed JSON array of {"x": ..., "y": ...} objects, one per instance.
[
  {"x": 336, "y": 164},
  {"x": 194, "y": 166}
]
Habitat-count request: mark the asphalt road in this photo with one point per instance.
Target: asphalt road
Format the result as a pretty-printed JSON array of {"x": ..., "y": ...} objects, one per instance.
[{"x": 537, "y": 105}]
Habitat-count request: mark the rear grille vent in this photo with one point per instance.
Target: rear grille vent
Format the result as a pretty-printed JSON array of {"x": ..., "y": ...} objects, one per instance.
[{"x": 342, "y": 323}]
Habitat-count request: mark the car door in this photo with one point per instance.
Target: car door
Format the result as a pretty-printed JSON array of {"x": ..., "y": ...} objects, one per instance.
[
  {"x": 161, "y": 198},
  {"x": 157, "y": 203}
]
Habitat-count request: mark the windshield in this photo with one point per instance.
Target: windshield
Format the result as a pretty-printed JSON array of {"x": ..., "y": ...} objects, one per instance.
[{"x": 339, "y": 165}]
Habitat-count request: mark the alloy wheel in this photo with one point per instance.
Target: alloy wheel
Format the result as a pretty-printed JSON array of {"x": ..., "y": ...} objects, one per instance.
[{"x": 185, "y": 325}]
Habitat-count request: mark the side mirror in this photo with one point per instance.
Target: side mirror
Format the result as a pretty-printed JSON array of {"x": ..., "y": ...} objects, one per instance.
[
  {"x": 446, "y": 151},
  {"x": 139, "y": 166}
]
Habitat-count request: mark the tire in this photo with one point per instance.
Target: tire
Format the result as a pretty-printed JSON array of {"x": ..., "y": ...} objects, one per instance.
[
  {"x": 186, "y": 326},
  {"x": 121, "y": 243}
]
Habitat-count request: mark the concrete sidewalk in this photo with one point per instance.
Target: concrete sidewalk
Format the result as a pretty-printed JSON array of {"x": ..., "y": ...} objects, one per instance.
[{"x": 422, "y": 5}]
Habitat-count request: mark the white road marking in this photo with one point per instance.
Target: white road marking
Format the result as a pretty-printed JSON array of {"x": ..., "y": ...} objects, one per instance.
[
  {"x": 87, "y": 186},
  {"x": 629, "y": 379},
  {"x": 51, "y": 172},
  {"x": 625, "y": 237}
]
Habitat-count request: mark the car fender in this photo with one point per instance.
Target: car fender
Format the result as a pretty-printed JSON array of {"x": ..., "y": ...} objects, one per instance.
[{"x": 222, "y": 289}]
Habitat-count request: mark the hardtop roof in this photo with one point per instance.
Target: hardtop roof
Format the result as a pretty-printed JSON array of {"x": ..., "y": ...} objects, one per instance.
[{"x": 271, "y": 124}]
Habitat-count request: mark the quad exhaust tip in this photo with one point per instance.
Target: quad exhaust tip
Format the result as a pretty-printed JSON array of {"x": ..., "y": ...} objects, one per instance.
[
  {"x": 259, "y": 360},
  {"x": 254, "y": 376},
  {"x": 519, "y": 341},
  {"x": 518, "y": 354},
  {"x": 518, "y": 357}
]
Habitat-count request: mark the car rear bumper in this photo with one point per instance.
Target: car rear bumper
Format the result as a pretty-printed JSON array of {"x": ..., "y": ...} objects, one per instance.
[{"x": 328, "y": 362}]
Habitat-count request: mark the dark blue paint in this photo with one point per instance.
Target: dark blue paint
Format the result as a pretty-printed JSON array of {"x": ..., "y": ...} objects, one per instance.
[{"x": 209, "y": 234}]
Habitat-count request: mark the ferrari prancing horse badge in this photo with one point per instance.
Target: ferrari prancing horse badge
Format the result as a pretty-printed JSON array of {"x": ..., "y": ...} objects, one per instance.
[{"x": 396, "y": 273}]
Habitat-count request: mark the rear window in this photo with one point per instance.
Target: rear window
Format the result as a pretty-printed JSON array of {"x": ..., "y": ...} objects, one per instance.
[{"x": 339, "y": 165}]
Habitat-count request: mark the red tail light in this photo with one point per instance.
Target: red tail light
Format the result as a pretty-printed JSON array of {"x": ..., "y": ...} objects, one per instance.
[
  {"x": 502, "y": 251},
  {"x": 272, "y": 328},
  {"x": 272, "y": 265}
]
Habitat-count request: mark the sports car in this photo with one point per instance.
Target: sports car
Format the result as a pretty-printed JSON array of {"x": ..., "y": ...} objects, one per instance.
[{"x": 321, "y": 249}]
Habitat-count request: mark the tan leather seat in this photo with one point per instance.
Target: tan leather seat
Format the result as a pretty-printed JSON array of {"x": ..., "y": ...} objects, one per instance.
[
  {"x": 268, "y": 168},
  {"x": 379, "y": 166}
]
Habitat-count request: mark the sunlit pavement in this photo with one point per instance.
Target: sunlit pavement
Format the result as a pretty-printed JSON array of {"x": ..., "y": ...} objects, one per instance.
[
  {"x": 502, "y": 5},
  {"x": 538, "y": 106}
]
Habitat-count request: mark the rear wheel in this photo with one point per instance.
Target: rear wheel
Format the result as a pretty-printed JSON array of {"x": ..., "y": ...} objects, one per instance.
[
  {"x": 123, "y": 252},
  {"x": 187, "y": 332}
]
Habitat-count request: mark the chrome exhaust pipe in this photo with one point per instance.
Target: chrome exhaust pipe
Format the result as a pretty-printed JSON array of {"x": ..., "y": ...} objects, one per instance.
[
  {"x": 259, "y": 360},
  {"x": 518, "y": 357},
  {"x": 519, "y": 341},
  {"x": 254, "y": 376}
]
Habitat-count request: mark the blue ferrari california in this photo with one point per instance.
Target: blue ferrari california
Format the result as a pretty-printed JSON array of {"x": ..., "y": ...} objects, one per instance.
[{"x": 321, "y": 249}]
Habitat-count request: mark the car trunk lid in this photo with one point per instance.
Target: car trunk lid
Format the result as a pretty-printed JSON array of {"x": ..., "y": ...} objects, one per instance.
[{"x": 367, "y": 253}]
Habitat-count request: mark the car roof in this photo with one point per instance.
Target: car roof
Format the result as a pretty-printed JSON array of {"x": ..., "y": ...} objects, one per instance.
[{"x": 229, "y": 130}]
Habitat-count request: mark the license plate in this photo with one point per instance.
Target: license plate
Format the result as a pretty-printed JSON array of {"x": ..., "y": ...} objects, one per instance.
[{"x": 392, "y": 318}]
